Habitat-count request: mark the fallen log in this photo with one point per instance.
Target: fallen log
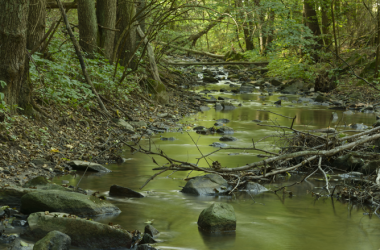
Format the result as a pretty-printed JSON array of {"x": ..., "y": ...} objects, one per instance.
[
  {"x": 192, "y": 51},
  {"x": 215, "y": 63}
]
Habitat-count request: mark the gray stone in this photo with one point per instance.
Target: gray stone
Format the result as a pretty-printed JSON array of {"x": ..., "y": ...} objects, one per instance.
[
  {"x": 223, "y": 120},
  {"x": 19, "y": 223},
  {"x": 147, "y": 238},
  {"x": 82, "y": 165},
  {"x": 225, "y": 130},
  {"x": 359, "y": 126},
  {"x": 218, "y": 145},
  {"x": 7, "y": 238},
  {"x": 376, "y": 124},
  {"x": 349, "y": 112},
  {"x": 227, "y": 138},
  {"x": 116, "y": 190},
  {"x": 151, "y": 230},
  {"x": 167, "y": 139},
  {"x": 199, "y": 128},
  {"x": 19, "y": 244},
  {"x": 209, "y": 184},
  {"x": 218, "y": 106},
  {"x": 125, "y": 124},
  {"x": 228, "y": 106},
  {"x": 209, "y": 79},
  {"x": 256, "y": 121},
  {"x": 83, "y": 232},
  {"x": 139, "y": 124},
  {"x": 275, "y": 82},
  {"x": 54, "y": 240},
  {"x": 255, "y": 188},
  {"x": 204, "y": 108},
  {"x": 162, "y": 115},
  {"x": 219, "y": 217},
  {"x": 218, "y": 124},
  {"x": 67, "y": 202}
]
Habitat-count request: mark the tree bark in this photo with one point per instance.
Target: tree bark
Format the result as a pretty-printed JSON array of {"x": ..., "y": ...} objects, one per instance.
[
  {"x": 36, "y": 23},
  {"x": 126, "y": 44},
  {"x": 325, "y": 22},
  {"x": 312, "y": 20},
  {"x": 106, "y": 15},
  {"x": 14, "y": 65},
  {"x": 378, "y": 43},
  {"x": 88, "y": 27}
]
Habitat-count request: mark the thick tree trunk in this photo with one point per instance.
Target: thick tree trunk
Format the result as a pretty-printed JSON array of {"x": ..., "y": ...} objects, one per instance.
[
  {"x": 88, "y": 28},
  {"x": 36, "y": 23},
  {"x": 140, "y": 14},
  {"x": 126, "y": 44},
  {"x": 106, "y": 15},
  {"x": 378, "y": 43},
  {"x": 325, "y": 22},
  {"x": 312, "y": 20},
  {"x": 14, "y": 65},
  {"x": 246, "y": 24}
]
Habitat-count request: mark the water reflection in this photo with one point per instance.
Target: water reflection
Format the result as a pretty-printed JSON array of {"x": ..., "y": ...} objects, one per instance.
[{"x": 266, "y": 221}]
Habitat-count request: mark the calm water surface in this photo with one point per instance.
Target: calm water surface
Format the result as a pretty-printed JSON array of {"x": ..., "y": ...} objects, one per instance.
[{"x": 265, "y": 221}]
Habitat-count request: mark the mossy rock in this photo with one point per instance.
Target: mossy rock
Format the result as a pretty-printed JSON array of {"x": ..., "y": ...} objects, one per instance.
[
  {"x": 369, "y": 69},
  {"x": 54, "y": 240},
  {"x": 219, "y": 217},
  {"x": 38, "y": 181},
  {"x": 233, "y": 56}
]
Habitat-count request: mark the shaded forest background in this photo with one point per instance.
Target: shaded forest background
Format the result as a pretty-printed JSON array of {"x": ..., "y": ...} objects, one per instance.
[{"x": 90, "y": 51}]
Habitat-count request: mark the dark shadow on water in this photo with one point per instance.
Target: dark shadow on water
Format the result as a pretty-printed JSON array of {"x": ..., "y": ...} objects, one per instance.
[{"x": 225, "y": 240}]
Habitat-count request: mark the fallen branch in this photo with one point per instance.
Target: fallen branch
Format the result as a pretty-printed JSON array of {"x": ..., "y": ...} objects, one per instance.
[
  {"x": 215, "y": 63},
  {"x": 193, "y": 51}
]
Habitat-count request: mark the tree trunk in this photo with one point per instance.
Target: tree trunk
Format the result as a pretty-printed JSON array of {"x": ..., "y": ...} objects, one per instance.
[
  {"x": 246, "y": 24},
  {"x": 270, "y": 29},
  {"x": 325, "y": 22},
  {"x": 106, "y": 15},
  {"x": 126, "y": 45},
  {"x": 378, "y": 43},
  {"x": 140, "y": 13},
  {"x": 88, "y": 28},
  {"x": 312, "y": 20},
  {"x": 36, "y": 23},
  {"x": 14, "y": 65},
  {"x": 259, "y": 13}
]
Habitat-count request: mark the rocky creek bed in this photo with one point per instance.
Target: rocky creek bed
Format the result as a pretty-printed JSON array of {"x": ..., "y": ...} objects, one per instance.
[{"x": 32, "y": 207}]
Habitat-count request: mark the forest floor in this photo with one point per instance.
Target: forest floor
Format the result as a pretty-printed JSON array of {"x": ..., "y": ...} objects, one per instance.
[{"x": 45, "y": 147}]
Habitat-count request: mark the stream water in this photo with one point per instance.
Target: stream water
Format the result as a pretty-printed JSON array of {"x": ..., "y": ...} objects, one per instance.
[{"x": 264, "y": 221}]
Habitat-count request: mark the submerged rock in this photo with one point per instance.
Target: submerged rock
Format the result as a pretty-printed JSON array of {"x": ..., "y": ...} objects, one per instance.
[
  {"x": 228, "y": 106},
  {"x": 116, "y": 190},
  {"x": 151, "y": 230},
  {"x": 277, "y": 102},
  {"x": 82, "y": 165},
  {"x": 227, "y": 138},
  {"x": 209, "y": 79},
  {"x": 255, "y": 188},
  {"x": 54, "y": 240},
  {"x": 199, "y": 128},
  {"x": 359, "y": 126},
  {"x": 67, "y": 202},
  {"x": 218, "y": 145},
  {"x": 225, "y": 130},
  {"x": 204, "y": 108},
  {"x": 209, "y": 184},
  {"x": 223, "y": 120},
  {"x": 83, "y": 232},
  {"x": 167, "y": 139},
  {"x": 145, "y": 247},
  {"x": 219, "y": 217}
]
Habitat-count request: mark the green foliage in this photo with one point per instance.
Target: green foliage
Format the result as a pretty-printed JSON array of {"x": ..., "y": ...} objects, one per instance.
[
  {"x": 291, "y": 67},
  {"x": 62, "y": 81}
]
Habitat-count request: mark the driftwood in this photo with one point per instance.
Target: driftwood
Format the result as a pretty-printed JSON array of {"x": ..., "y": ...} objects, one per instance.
[
  {"x": 192, "y": 51},
  {"x": 216, "y": 63}
]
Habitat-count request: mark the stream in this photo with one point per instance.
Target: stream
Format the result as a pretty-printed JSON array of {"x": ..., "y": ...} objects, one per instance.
[{"x": 264, "y": 221}]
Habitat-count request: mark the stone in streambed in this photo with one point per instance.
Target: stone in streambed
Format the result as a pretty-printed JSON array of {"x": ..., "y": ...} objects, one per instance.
[
  {"x": 82, "y": 165},
  {"x": 223, "y": 120},
  {"x": 225, "y": 130},
  {"x": 116, "y": 190},
  {"x": 227, "y": 138},
  {"x": 228, "y": 106},
  {"x": 209, "y": 184},
  {"x": 209, "y": 79},
  {"x": 67, "y": 202},
  {"x": 218, "y": 145},
  {"x": 84, "y": 233},
  {"x": 145, "y": 247},
  {"x": 54, "y": 240},
  {"x": 151, "y": 230},
  {"x": 219, "y": 217},
  {"x": 147, "y": 239},
  {"x": 19, "y": 244}
]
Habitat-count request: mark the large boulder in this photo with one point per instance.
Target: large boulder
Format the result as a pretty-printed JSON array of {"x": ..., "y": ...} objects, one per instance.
[
  {"x": 83, "y": 232},
  {"x": 116, "y": 190},
  {"x": 54, "y": 240},
  {"x": 90, "y": 166},
  {"x": 66, "y": 202},
  {"x": 209, "y": 184},
  {"x": 219, "y": 217}
]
